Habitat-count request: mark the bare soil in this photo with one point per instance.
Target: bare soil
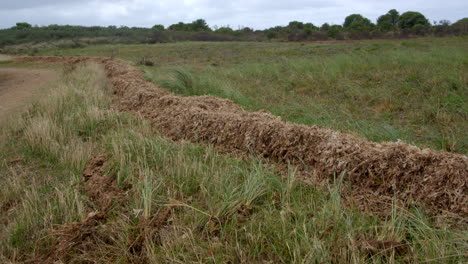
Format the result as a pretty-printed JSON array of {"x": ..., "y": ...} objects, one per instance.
[
  {"x": 376, "y": 175},
  {"x": 18, "y": 86},
  {"x": 5, "y": 57}
]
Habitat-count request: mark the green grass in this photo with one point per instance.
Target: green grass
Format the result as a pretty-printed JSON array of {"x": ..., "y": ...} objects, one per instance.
[
  {"x": 418, "y": 95},
  {"x": 224, "y": 209},
  {"x": 412, "y": 90}
]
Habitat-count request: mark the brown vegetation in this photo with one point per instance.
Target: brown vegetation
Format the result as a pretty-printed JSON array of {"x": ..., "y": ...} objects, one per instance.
[{"x": 80, "y": 238}]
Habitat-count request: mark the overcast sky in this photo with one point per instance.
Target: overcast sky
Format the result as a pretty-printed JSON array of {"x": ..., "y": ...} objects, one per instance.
[{"x": 258, "y": 14}]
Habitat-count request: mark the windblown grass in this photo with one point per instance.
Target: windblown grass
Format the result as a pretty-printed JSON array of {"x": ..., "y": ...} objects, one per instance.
[
  {"x": 412, "y": 91},
  {"x": 43, "y": 156},
  {"x": 222, "y": 208}
]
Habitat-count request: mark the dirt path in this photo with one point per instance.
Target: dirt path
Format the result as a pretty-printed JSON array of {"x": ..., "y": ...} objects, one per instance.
[
  {"x": 5, "y": 57},
  {"x": 18, "y": 86}
]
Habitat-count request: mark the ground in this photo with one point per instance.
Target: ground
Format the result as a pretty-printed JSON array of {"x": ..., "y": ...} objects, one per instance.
[
  {"x": 18, "y": 86},
  {"x": 4, "y": 57},
  {"x": 83, "y": 179}
]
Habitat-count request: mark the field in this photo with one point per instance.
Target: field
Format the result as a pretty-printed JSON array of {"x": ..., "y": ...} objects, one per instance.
[
  {"x": 84, "y": 179},
  {"x": 412, "y": 90}
]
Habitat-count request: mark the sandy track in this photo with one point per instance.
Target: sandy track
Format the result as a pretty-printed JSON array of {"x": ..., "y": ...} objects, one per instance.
[
  {"x": 376, "y": 174},
  {"x": 18, "y": 86},
  {"x": 5, "y": 57}
]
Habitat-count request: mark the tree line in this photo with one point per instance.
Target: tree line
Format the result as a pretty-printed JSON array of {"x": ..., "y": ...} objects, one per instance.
[{"x": 355, "y": 26}]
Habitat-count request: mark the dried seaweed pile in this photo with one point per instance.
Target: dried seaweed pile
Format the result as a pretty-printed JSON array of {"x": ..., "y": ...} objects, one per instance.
[{"x": 376, "y": 173}]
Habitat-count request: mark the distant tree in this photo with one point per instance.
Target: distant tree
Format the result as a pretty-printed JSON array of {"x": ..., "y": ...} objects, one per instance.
[
  {"x": 385, "y": 25},
  {"x": 22, "y": 25},
  {"x": 94, "y": 28},
  {"x": 357, "y": 23},
  {"x": 158, "y": 36},
  {"x": 419, "y": 29},
  {"x": 461, "y": 26},
  {"x": 181, "y": 26},
  {"x": 224, "y": 30},
  {"x": 308, "y": 31},
  {"x": 200, "y": 25},
  {"x": 247, "y": 30},
  {"x": 296, "y": 25},
  {"x": 461, "y": 22},
  {"x": 388, "y": 21},
  {"x": 441, "y": 27},
  {"x": 271, "y": 34},
  {"x": 310, "y": 26},
  {"x": 54, "y": 27},
  {"x": 158, "y": 27},
  {"x": 325, "y": 27},
  {"x": 334, "y": 30},
  {"x": 410, "y": 19},
  {"x": 394, "y": 16},
  {"x": 444, "y": 22},
  {"x": 349, "y": 20}
]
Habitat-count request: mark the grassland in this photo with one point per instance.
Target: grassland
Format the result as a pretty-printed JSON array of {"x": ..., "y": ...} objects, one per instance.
[
  {"x": 188, "y": 203},
  {"x": 412, "y": 90},
  {"x": 218, "y": 208}
]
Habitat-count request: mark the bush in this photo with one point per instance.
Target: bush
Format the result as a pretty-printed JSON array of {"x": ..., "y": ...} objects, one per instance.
[
  {"x": 419, "y": 29},
  {"x": 410, "y": 19}
]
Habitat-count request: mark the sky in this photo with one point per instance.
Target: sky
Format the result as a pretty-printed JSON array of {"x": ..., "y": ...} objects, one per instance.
[{"x": 257, "y": 14}]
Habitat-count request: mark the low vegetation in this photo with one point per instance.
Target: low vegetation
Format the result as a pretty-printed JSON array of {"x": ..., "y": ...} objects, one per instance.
[
  {"x": 413, "y": 91},
  {"x": 23, "y": 37},
  {"x": 179, "y": 202}
]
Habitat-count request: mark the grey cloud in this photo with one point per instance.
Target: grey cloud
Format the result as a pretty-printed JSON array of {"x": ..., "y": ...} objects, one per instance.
[
  {"x": 32, "y": 4},
  {"x": 28, "y": 4}
]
